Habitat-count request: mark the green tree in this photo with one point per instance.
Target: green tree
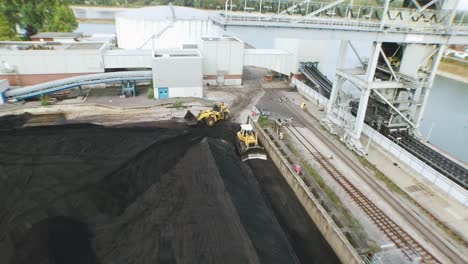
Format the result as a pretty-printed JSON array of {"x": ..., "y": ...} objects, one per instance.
[
  {"x": 36, "y": 15},
  {"x": 7, "y": 29},
  {"x": 63, "y": 20}
]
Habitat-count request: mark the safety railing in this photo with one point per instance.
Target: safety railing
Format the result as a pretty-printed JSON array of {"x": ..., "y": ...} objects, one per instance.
[
  {"x": 310, "y": 14},
  {"x": 427, "y": 172}
]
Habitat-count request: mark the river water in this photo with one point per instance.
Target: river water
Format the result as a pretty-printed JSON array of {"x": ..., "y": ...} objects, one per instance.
[{"x": 445, "y": 119}]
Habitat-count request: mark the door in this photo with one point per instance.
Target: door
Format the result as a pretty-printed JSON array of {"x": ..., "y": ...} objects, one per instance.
[
  {"x": 220, "y": 79},
  {"x": 163, "y": 93}
]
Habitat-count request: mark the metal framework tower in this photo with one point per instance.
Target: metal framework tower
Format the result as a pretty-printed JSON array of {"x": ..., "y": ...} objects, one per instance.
[
  {"x": 402, "y": 82},
  {"x": 396, "y": 79}
]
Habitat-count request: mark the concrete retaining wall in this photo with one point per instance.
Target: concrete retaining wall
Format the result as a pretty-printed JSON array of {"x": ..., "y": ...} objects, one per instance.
[{"x": 332, "y": 233}]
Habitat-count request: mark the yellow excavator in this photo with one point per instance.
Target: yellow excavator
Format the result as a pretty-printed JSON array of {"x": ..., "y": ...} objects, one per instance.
[
  {"x": 220, "y": 111},
  {"x": 247, "y": 143}
]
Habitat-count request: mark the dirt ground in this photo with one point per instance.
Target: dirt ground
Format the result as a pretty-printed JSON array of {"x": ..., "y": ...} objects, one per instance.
[{"x": 148, "y": 193}]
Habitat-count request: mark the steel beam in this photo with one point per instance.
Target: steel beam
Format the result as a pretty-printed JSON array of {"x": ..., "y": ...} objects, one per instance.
[
  {"x": 356, "y": 53},
  {"x": 365, "y": 93},
  {"x": 388, "y": 64},
  {"x": 421, "y": 9},
  {"x": 293, "y": 7},
  {"x": 394, "y": 108},
  {"x": 356, "y": 80},
  {"x": 337, "y": 84},
  {"x": 321, "y": 9},
  {"x": 435, "y": 65},
  {"x": 387, "y": 85}
]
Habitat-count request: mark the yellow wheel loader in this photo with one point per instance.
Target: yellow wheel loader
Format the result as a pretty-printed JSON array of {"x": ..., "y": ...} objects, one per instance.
[
  {"x": 247, "y": 143},
  {"x": 210, "y": 116}
]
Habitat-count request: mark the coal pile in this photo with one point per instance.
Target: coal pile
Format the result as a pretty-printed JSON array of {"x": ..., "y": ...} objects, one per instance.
[{"x": 91, "y": 194}]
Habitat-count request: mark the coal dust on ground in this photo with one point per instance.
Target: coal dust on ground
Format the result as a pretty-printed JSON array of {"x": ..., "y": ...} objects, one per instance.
[{"x": 92, "y": 194}]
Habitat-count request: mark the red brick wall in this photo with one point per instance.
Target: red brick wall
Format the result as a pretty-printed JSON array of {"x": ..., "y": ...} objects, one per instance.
[{"x": 30, "y": 79}]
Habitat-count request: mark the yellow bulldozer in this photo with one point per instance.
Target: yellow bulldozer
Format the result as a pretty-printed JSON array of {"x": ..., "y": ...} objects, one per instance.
[
  {"x": 247, "y": 143},
  {"x": 220, "y": 111}
]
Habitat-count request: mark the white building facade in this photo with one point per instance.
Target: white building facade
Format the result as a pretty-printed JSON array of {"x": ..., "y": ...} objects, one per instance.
[{"x": 177, "y": 73}]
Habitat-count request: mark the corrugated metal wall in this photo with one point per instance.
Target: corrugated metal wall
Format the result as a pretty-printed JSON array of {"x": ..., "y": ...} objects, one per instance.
[
  {"x": 276, "y": 60},
  {"x": 226, "y": 55},
  {"x": 127, "y": 59},
  {"x": 134, "y": 33},
  {"x": 53, "y": 61}
]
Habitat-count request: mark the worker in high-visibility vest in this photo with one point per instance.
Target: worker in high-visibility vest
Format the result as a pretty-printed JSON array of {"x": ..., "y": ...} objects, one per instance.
[{"x": 303, "y": 106}]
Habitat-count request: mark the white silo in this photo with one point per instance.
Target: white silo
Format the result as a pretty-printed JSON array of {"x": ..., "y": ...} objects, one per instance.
[{"x": 172, "y": 26}]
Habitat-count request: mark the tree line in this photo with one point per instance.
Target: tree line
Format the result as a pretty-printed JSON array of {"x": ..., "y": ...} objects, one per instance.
[{"x": 32, "y": 16}]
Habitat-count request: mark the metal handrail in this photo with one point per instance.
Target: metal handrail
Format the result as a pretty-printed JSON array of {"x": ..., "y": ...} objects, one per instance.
[{"x": 358, "y": 17}]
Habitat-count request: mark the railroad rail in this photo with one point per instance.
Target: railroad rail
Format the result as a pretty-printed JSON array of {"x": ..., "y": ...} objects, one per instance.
[
  {"x": 409, "y": 246},
  {"x": 424, "y": 230},
  {"x": 431, "y": 157}
]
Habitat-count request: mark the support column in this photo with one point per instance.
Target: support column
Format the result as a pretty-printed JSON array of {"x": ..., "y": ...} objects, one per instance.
[
  {"x": 365, "y": 92},
  {"x": 337, "y": 84},
  {"x": 430, "y": 81}
]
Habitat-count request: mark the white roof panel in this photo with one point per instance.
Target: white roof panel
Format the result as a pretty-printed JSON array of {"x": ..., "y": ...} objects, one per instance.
[{"x": 165, "y": 13}]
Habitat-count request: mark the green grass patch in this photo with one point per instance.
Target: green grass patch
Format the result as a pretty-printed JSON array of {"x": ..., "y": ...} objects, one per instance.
[
  {"x": 150, "y": 93},
  {"x": 264, "y": 121},
  {"x": 177, "y": 104},
  {"x": 329, "y": 192},
  {"x": 45, "y": 100}
]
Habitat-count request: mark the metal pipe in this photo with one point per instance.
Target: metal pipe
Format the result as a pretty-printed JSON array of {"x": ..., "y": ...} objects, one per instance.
[{"x": 77, "y": 81}]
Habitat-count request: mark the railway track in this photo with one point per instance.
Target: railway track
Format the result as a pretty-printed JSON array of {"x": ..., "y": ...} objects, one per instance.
[
  {"x": 410, "y": 247},
  {"x": 412, "y": 218},
  {"x": 444, "y": 165}
]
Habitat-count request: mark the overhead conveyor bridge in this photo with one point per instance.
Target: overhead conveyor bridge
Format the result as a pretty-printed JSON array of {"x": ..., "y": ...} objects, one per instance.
[
  {"x": 70, "y": 83},
  {"x": 311, "y": 72}
]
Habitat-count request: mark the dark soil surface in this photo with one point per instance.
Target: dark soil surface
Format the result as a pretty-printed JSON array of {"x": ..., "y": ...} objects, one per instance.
[{"x": 146, "y": 194}]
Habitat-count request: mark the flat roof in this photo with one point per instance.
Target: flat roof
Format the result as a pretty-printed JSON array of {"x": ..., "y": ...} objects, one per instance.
[
  {"x": 58, "y": 35},
  {"x": 175, "y": 53},
  {"x": 40, "y": 45},
  {"x": 220, "y": 38}
]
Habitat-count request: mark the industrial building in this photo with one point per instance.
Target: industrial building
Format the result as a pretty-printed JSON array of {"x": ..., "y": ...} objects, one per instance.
[
  {"x": 28, "y": 63},
  {"x": 177, "y": 73},
  {"x": 163, "y": 27},
  {"x": 211, "y": 61},
  {"x": 223, "y": 60}
]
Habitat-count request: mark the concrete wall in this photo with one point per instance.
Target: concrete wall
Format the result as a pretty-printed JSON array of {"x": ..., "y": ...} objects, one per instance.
[
  {"x": 53, "y": 61},
  {"x": 335, "y": 238},
  {"x": 127, "y": 59},
  {"x": 277, "y": 60},
  {"x": 181, "y": 75},
  {"x": 31, "y": 79},
  {"x": 223, "y": 60}
]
